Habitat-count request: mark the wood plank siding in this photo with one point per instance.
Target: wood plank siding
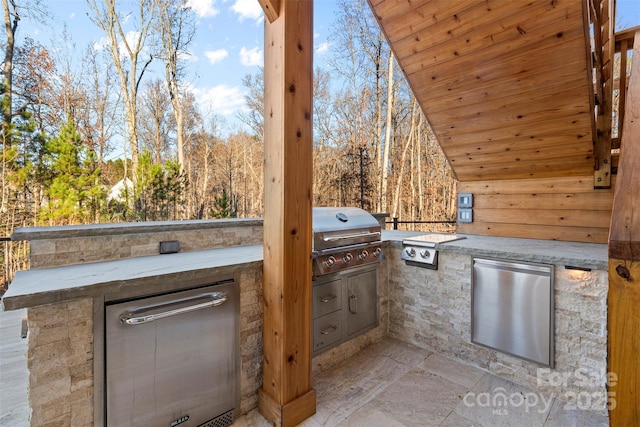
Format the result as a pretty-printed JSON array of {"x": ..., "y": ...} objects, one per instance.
[{"x": 545, "y": 208}]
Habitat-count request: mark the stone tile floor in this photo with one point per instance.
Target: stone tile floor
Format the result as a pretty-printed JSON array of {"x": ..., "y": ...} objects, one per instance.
[
  {"x": 390, "y": 384},
  {"x": 393, "y": 384}
]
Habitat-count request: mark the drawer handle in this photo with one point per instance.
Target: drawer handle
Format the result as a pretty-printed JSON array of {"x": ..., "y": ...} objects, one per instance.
[
  {"x": 138, "y": 317},
  {"x": 328, "y": 298},
  {"x": 353, "y": 310},
  {"x": 328, "y": 330}
]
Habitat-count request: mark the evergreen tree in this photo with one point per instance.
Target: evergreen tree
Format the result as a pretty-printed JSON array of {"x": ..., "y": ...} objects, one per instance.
[
  {"x": 160, "y": 189},
  {"x": 74, "y": 194},
  {"x": 224, "y": 206}
]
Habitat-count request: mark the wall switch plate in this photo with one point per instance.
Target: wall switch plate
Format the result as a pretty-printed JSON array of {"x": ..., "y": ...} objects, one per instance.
[
  {"x": 465, "y": 200},
  {"x": 465, "y": 215},
  {"x": 169, "y": 247}
]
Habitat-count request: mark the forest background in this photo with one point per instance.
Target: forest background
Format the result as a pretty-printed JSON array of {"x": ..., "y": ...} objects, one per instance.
[
  {"x": 372, "y": 146},
  {"x": 104, "y": 139}
]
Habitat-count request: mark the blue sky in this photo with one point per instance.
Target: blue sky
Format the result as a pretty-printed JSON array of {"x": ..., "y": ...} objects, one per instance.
[{"x": 228, "y": 44}]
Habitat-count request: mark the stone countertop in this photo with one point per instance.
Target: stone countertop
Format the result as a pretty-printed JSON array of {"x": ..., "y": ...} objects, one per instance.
[
  {"x": 126, "y": 278},
  {"x": 133, "y": 277},
  {"x": 110, "y": 229},
  {"x": 575, "y": 254}
]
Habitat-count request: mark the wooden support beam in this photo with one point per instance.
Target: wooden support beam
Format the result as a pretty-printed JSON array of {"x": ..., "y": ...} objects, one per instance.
[
  {"x": 624, "y": 267},
  {"x": 271, "y": 9},
  {"x": 605, "y": 46},
  {"x": 286, "y": 398}
]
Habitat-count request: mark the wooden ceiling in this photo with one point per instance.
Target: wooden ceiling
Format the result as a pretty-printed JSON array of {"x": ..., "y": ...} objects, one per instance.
[{"x": 503, "y": 83}]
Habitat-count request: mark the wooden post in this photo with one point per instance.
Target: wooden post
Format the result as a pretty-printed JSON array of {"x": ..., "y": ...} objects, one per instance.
[
  {"x": 286, "y": 397},
  {"x": 605, "y": 43},
  {"x": 624, "y": 267}
]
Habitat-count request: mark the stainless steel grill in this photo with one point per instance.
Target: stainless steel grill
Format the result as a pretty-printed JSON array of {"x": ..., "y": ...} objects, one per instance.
[
  {"x": 347, "y": 249},
  {"x": 344, "y": 238}
]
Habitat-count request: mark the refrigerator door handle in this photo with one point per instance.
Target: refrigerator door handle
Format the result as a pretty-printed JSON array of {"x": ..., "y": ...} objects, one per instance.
[{"x": 135, "y": 317}]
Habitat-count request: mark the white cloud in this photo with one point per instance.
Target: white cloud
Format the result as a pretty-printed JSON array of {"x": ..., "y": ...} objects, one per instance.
[
  {"x": 248, "y": 9},
  {"x": 251, "y": 57},
  {"x": 101, "y": 44},
  {"x": 215, "y": 56},
  {"x": 187, "y": 56},
  {"x": 132, "y": 40},
  {"x": 203, "y": 8},
  {"x": 222, "y": 99},
  {"x": 323, "y": 47},
  {"x": 73, "y": 15}
]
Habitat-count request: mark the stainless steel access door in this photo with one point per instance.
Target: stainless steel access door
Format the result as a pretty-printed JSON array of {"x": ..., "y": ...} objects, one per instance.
[
  {"x": 172, "y": 359},
  {"x": 512, "y": 308}
]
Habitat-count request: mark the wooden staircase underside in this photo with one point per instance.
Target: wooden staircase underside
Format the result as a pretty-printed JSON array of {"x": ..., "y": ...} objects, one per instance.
[{"x": 503, "y": 83}]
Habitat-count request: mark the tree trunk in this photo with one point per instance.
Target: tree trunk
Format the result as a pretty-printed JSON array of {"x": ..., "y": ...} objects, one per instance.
[
  {"x": 387, "y": 139},
  {"x": 10, "y": 28},
  {"x": 396, "y": 197}
]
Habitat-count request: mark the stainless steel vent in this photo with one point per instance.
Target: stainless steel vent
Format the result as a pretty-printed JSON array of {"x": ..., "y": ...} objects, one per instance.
[{"x": 223, "y": 420}]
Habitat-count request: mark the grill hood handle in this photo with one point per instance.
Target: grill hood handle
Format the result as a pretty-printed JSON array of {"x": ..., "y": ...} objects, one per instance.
[{"x": 375, "y": 234}]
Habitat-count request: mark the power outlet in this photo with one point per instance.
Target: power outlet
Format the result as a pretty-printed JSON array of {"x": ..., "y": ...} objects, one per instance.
[
  {"x": 465, "y": 215},
  {"x": 465, "y": 200}
]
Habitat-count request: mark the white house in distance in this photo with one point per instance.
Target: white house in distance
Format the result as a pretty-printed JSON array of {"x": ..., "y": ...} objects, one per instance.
[{"x": 117, "y": 191}]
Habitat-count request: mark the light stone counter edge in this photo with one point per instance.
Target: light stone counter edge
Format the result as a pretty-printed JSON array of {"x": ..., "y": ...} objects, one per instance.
[
  {"x": 575, "y": 254},
  {"x": 127, "y": 278}
]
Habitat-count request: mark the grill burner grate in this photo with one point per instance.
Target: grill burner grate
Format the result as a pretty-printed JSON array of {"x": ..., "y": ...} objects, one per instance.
[{"x": 420, "y": 251}]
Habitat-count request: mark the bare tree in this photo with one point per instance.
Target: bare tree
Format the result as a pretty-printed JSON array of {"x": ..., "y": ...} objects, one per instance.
[
  {"x": 156, "y": 121},
  {"x": 109, "y": 20},
  {"x": 254, "y": 116},
  {"x": 176, "y": 29},
  {"x": 13, "y": 12},
  {"x": 98, "y": 117}
]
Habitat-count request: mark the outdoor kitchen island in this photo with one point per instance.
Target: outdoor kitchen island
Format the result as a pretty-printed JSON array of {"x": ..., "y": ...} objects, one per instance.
[{"x": 427, "y": 308}]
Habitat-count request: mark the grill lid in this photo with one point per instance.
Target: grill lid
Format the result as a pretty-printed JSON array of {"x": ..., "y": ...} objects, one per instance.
[{"x": 343, "y": 226}]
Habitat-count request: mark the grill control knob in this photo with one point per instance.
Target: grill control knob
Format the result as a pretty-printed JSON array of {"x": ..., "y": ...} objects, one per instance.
[
  {"x": 363, "y": 254},
  {"x": 410, "y": 251},
  {"x": 347, "y": 257},
  {"x": 330, "y": 261},
  {"x": 377, "y": 252},
  {"x": 425, "y": 254}
]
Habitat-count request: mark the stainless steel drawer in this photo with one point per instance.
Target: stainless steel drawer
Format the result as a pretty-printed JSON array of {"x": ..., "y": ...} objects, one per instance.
[
  {"x": 327, "y": 298},
  {"x": 327, "y": 330},
  {"x": 512, "y": 308}
]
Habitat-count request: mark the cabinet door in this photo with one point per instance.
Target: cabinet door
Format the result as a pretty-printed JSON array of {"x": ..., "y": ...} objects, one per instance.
[
  {"x": 512, "y": 308},
  {"x": 362, "y": 301}
]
